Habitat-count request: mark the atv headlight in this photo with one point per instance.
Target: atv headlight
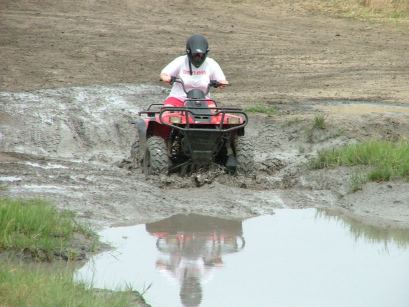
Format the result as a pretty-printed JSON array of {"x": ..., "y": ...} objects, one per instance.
[
  {"x": 233, "y": 120},
  {"x": 175, "y": 119}
]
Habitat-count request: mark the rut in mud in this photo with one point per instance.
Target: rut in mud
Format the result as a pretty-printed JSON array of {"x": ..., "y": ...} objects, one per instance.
[{"x": 72, "y": 145}]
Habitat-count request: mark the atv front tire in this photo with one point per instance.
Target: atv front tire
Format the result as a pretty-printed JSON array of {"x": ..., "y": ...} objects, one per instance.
[
  {"x": 244, "y": 150},
  {"x": 155, "y": 160}
]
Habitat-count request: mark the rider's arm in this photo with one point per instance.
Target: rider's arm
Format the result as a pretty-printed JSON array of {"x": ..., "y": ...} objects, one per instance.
[
  {"x": 165, "y": 77},
  {"x": 223, "y": 83},
  {"x": 172, "y": 69},
  {"x": 220, "y": 83},
  {"x": 217, "y": 73}
]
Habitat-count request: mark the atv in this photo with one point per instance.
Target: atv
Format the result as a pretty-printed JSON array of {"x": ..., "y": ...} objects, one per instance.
[{"x": 195, "y": 136}]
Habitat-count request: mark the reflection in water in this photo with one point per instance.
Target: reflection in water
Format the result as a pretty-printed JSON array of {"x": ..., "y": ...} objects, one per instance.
[
  {"x": 325, "y": 260},
  {"x": 191, "y": 246},
  {"x": 373, "y": 234}
]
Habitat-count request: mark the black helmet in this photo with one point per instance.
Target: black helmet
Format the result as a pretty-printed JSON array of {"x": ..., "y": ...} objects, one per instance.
[
  {"x": 197, "y": 48},
  {"x": 190, "y": 291}
]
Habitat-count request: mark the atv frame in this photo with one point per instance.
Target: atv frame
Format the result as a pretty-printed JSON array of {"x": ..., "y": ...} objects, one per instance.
[{"x": 195, "y": 136}]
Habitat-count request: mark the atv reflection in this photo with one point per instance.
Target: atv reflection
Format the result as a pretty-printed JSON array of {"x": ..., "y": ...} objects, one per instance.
[{"x": 192, "y": 246}]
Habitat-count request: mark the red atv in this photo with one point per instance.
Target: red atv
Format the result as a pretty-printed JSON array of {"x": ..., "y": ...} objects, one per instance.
[{"x": 194, "y": 136}]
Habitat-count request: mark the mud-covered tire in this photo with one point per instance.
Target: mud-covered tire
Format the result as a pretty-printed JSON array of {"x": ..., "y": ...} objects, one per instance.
[
  {"x": 155, "y": 159},
  {"x": 244, "y": 149},
  {"x": 136, "y": 154}
]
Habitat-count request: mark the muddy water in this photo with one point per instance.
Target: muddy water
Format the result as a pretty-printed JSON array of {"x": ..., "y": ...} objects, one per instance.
[{"x": 292, "y": 258}]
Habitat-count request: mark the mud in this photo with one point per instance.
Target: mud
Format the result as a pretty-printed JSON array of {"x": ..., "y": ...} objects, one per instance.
[
  {"x": 77, "y": 72},
  {"x": 73, "y": 148}
]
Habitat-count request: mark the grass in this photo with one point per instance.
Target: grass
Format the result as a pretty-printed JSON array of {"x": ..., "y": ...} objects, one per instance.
[
  {"x": 319, "y": 122},
  {"x": 386, "y": 159},
  {"x": 36, "y": 226},
  {"x": 22, "y": 285},
  {"x": 357, "y": 181},
  {"x": 261, "y": 108}
]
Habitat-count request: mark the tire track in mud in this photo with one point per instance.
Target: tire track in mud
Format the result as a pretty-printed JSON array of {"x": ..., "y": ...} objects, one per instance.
[
  {"x": 74, "y": 123},
  {"x": 72, "y": 146},
  {"x": 66, "y": 145}
]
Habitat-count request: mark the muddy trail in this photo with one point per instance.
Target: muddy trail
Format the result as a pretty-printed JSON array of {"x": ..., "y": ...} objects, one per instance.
[{"x": 72, "y": 146}]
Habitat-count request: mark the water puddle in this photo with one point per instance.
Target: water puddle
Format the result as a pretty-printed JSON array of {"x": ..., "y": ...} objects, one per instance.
[{"x": 293, "y": 258}]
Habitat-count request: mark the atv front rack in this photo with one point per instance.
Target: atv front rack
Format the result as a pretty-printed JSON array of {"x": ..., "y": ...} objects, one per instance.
[{"x": 214, "y": 111}]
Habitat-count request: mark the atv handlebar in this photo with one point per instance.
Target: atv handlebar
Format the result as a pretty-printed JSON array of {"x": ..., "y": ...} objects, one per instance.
[
  {"x": 212, "y": 83},
  {"x": 216, "y": 84}
]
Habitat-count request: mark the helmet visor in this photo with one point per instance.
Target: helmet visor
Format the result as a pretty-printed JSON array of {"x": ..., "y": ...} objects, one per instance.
[{"x": 198, "y": 58}]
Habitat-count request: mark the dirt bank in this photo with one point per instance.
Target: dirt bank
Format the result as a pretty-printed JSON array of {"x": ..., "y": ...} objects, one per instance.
[{"x": 77, "y": 72}]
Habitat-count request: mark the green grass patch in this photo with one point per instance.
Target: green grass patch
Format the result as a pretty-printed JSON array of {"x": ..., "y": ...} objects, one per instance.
[
  {"x": 386, "y": 159},
  {"x": 357, "y": 181},
  {"x": 319, "y": 122},
  {"x": 23, "y": 285},
  {"x": 261, "y": 108},
  {"x": 35, "y": 225}
]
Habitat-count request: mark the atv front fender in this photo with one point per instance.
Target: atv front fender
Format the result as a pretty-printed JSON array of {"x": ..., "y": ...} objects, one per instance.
[{"x": 141, "y": 127}]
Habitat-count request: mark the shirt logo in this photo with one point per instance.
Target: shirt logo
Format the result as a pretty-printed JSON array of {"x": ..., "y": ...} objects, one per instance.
[{"x": 194, "y": 72}]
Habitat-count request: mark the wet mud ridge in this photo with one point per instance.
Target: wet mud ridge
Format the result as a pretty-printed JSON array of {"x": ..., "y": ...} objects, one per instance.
[{"x": 72, "y": 145}]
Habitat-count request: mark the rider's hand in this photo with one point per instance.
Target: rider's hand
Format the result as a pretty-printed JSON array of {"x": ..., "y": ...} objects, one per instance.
[
  {"x": 165, "y": 78},
  {"x": 223, "y": 84}
]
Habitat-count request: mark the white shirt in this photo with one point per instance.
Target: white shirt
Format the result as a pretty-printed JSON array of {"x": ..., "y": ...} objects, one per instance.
[{"x": 199, "y": 79}]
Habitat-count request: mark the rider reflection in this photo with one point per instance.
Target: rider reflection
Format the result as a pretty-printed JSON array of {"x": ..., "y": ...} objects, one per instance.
[{"x": 191, "y": 246}]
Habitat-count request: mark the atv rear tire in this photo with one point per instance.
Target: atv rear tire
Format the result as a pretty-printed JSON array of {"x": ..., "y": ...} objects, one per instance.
[
  {"x": 155, "y": 160},
  {"x": 244, "y": 150}
]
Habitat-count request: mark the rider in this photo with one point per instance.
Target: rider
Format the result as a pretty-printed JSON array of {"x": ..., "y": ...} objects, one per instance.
[{"x": 195, "y": 69}]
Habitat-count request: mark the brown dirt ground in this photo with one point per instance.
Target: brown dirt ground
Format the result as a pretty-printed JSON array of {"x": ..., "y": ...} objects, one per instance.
[{"x": 269, "y": 50}]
